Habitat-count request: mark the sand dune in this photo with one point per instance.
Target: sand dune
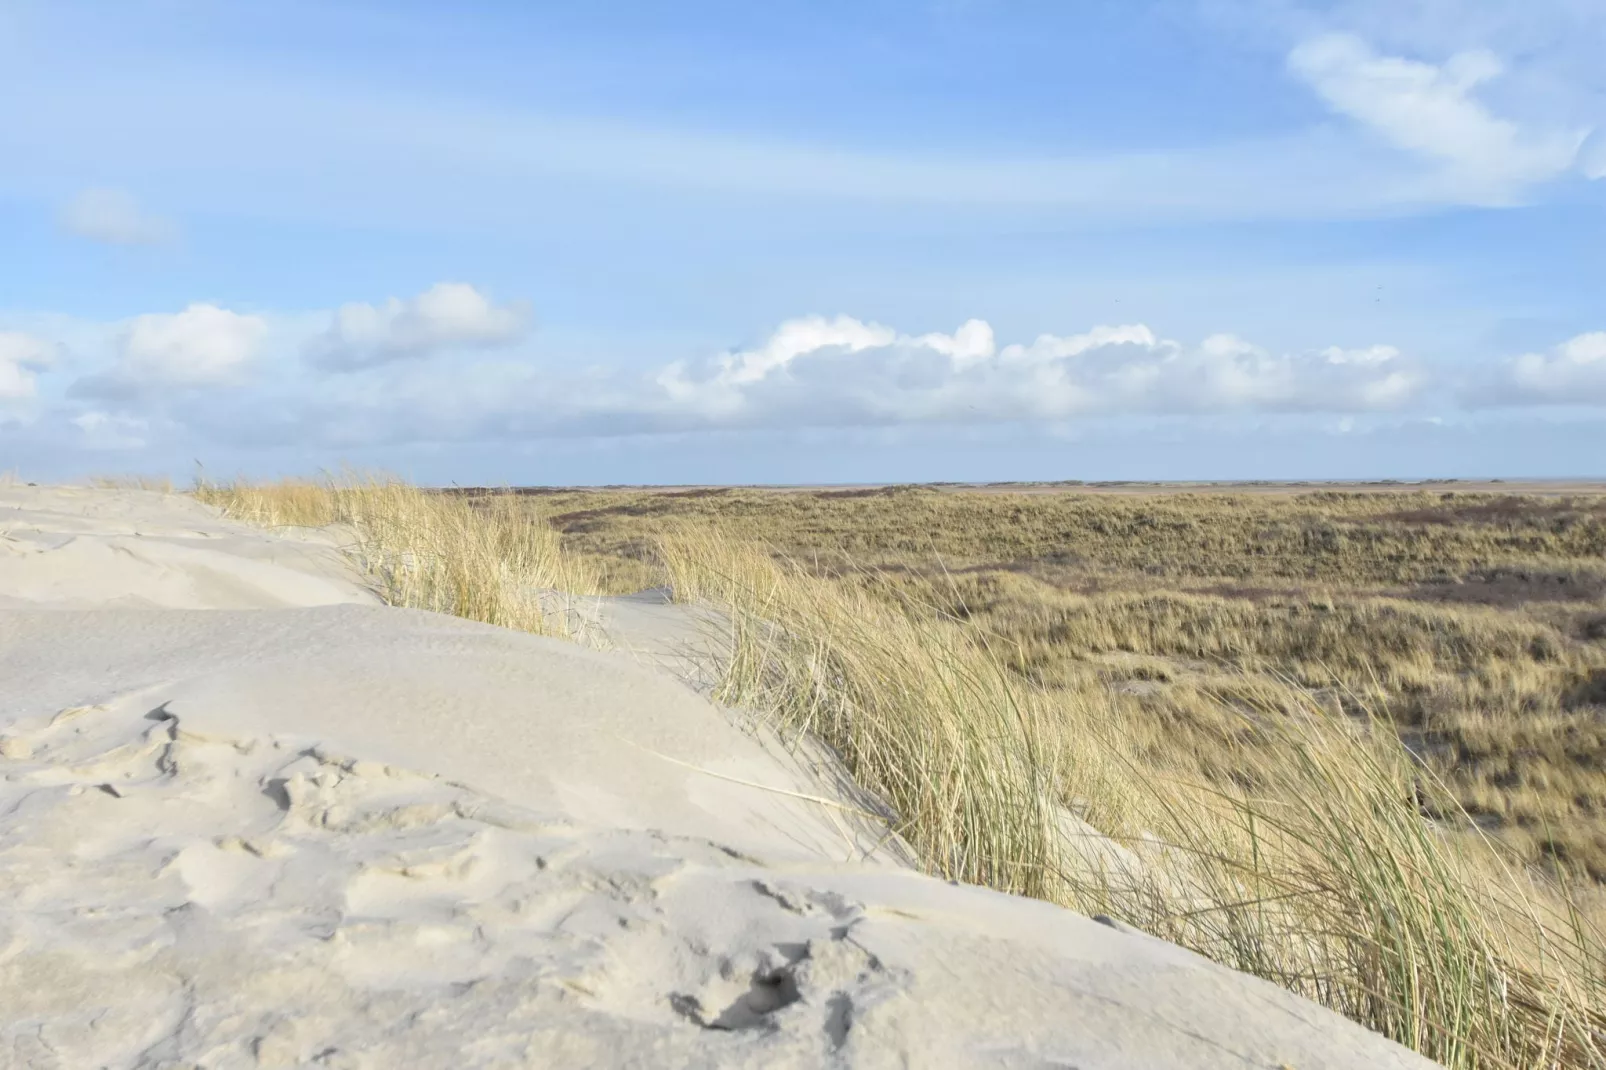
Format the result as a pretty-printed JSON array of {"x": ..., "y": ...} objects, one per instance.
[
  {"x": 63, "y": 546},
  {"x": 250, "y": 817}
]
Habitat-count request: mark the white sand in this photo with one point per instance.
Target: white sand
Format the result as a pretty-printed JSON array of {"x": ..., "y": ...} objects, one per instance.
[{"x": 249, "y": 817}]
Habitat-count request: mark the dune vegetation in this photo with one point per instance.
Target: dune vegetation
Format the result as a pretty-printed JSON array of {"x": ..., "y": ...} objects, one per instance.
[
  {"x": 1348, "y": 742},
  {"x": 1476, "y": 624},
  {"x": 486, "y": 561}
]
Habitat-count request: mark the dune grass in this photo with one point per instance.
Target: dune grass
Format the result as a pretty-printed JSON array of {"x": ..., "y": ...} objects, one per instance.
[
  {"x": 489, "y": 561},
  {"x": 1286, "y": 835},
  {"x": 934, "y": 732}
]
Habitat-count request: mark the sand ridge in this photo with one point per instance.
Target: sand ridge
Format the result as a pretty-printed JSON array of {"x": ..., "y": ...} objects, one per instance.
[
  {"x": 297, "y": 828},
  {"x": 77, "y": 546}
]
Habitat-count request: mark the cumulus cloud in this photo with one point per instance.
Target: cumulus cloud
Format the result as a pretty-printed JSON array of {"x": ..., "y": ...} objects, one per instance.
[
  {"x": 449, "y": 315},
  {"x": 1573, "y": 373},
  {"x": 1431, "y": 110},
  {"x": 202, "y": 346},
  {"x": 842, "y": 371},
  {"x": 22, "y": 355},
  {"x": 114, "y": 217}
]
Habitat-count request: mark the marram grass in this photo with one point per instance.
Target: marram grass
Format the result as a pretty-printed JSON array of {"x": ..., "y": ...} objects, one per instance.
[{"x": 482, "y": 560}]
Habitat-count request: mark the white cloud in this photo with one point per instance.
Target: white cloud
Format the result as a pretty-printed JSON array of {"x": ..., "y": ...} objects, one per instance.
[
  {"x": 1573, "y": 373},
  {"x": 818, "y": 372},
  {"x": 811, "y": 372},
  {"x": 114, "y": 217},
  {"x": 1431, "y": 110},
  {"x": 21, "y": 355},
  {"x": 200, "y": 347},
  {"x": 446, "y": 316},
  {"x": 798, "y": 337},
  {"x": 814, "y": 371}
]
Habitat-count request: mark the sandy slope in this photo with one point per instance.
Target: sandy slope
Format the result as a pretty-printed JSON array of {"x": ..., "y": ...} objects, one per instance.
[{"x": 248, "y": 817}]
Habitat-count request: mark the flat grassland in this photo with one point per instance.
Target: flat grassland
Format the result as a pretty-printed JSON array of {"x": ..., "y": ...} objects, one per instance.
[{"x": 1474, "y": 621}]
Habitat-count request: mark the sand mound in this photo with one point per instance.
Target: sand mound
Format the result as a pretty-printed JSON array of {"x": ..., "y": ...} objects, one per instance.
[
  {"x": 289, "y": 827},
  {"x": 71, "y": 546}
]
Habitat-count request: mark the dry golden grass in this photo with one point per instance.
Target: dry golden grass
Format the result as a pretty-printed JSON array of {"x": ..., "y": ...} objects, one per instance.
[
  {"x": 1176, "y": 712},
  {"x": 492, "y": 561},
  {"x": 919, "y": 721}
]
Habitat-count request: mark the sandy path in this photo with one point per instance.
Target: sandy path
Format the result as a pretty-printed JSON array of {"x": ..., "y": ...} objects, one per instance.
[{"x": 290, "y": 827}]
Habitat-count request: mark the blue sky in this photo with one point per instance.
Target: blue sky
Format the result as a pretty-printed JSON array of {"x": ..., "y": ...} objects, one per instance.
[{"x": 796, "y": 242}]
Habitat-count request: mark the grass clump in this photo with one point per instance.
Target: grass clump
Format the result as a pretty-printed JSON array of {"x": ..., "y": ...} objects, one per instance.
[
  {"x": 969, "y": 772},
  {"x": 488, "y": 560}
]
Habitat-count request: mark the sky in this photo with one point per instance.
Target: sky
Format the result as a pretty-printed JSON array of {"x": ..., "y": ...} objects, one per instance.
[{"x": 512, "y": 241}]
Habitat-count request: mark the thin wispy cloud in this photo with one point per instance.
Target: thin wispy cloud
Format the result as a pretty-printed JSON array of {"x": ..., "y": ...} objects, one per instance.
[
  {"x": 1592, "y": 157},
  {"x": 114, "y": 217},
  {"x": 394, "y": 158},
  {"x": 1433, "y": 111}
]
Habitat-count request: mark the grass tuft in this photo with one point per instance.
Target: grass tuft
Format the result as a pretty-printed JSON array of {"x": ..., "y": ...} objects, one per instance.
[
  {"x": 488, "y": 560},
  {"x": 933, "y": 731}
]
